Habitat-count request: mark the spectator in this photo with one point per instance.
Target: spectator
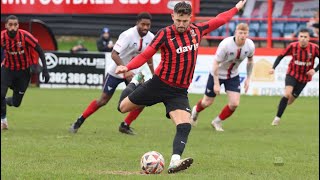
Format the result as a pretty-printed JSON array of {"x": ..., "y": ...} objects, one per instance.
[
  {"x": 104, "y": 43},
  {"x": 312, "y": 26},
  {"x": 78, "y": 48}
]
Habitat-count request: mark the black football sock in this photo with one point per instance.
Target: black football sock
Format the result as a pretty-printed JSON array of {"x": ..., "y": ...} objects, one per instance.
[
  {"x": 282, "y": 106},
  {"x": 128, "y": 90},
  {"x": 79, "y": 122},
  {"x": 9, "y": 101},
  {"x": 3, "y": 109},
  {"x": 181, "y": 138}
]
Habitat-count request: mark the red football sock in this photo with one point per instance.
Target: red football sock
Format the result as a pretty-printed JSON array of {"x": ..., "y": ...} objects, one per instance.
[
  {"x": 93, "y": 107},
  {"x": 225, "y": 113},
  {"x": 132, "y": 116},
  {"x": 199, "y": 107}
]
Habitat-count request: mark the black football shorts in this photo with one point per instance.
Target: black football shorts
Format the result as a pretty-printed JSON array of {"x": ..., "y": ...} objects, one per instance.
[
  {"x": 297, "y": 86},
  {"x": 155, "y": 91}
]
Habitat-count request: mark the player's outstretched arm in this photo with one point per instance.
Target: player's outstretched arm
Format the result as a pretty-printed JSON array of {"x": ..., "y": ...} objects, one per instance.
[
  {"x": 45, "y": 73},
  {"x": 224, "y": 17},
  {"x": 275, "y": 64},
  {"x": 142, "y": 58}
]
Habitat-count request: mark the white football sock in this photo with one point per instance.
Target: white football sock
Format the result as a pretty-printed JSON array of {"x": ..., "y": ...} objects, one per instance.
[
  {"x": 277, "y": 118},
  {"x": 175, "y": 157},
  {"x": 4, "y": 120},
  {"x": 217, "y": 120}
]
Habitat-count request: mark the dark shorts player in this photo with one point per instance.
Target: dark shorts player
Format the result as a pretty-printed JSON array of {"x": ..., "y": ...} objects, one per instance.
[
  {"x": 128, "y": 45},
  {"x": 19, "y": 47},
  {"x": 179, "y": 48},
  {"x": 300, "y": 70}
]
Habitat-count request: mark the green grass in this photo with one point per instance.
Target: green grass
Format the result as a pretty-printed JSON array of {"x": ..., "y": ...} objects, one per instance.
[
  {"x": 65, "y": 43},
  {"x": 39, "y": 146}
]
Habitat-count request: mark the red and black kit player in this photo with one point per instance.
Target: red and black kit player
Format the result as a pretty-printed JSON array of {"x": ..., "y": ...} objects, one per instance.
[
  {"x": 300, "y": 70},
  {"x": 19, "y": 46},
  {"x": 179, "y": 45}
]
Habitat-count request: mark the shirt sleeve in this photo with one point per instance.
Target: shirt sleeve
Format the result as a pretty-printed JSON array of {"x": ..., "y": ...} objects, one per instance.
[
  {"x": 158, "y": 40},
  {"x": 2, "y": 39},
  {"x": 30, "y": 39},
  {"x": 122, "y": 43}
]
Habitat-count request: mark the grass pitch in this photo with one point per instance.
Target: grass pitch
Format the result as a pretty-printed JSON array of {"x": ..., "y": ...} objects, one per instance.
[{"x": 39, "y": 146}]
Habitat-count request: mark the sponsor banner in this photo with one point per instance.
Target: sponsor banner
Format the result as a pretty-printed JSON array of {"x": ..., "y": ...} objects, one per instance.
[
  {"x": 262, "y": 83},
  {"x": 88, "y": 71},
  {"x": 88, "y": 6},
  {"x": 80, "y": 70}
]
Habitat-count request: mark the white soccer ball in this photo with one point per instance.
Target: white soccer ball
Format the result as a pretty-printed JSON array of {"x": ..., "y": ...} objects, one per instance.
[{"x": 152, "y": 162}]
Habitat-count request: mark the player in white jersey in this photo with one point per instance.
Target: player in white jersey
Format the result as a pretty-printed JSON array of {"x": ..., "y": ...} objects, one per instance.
[
  {"x": 129, "y": 44},
  {"x": 230, "y": 53}
]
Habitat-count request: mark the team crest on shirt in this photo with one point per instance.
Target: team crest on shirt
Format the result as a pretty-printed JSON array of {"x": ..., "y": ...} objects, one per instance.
[
  {"x": 19, "y": 44},
  {"x": 231, "y": 53},
  {"x": 310, "y": 55},
  {"x": 193, "y": 33}
]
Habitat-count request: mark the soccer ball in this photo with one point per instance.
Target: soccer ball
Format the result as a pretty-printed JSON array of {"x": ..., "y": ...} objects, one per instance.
[{"x": 152, "y": 162}]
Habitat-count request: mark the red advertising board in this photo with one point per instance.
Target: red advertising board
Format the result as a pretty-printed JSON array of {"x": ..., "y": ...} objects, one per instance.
[{"x": 89, "y": 6}]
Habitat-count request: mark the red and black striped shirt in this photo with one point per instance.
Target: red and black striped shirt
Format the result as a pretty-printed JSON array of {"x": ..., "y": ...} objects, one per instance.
[
  {"x": 17, "y": 49},
  {"x": 302, "y": 60},
  {"x": 179, "y": 50}
]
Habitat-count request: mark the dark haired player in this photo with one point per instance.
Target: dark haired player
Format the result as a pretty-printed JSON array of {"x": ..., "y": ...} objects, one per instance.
[
  {"x": 19, "y": 46},
  {"x": 300, "y": 70},
  {"x": 130, "y": 43},
  {"x": 179, "y": 48}
]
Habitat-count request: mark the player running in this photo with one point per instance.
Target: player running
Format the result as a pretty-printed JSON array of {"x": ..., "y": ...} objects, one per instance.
[
  {"x": 300, "y": 70},
  {"x": 18, "y": 46},
  {"x": 130, "y": 43},
  {"x": 230, "y": 53}
]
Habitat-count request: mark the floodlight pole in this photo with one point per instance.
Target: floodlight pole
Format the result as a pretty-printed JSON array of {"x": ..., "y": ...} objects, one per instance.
[{"x": 269, "y": 32}]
